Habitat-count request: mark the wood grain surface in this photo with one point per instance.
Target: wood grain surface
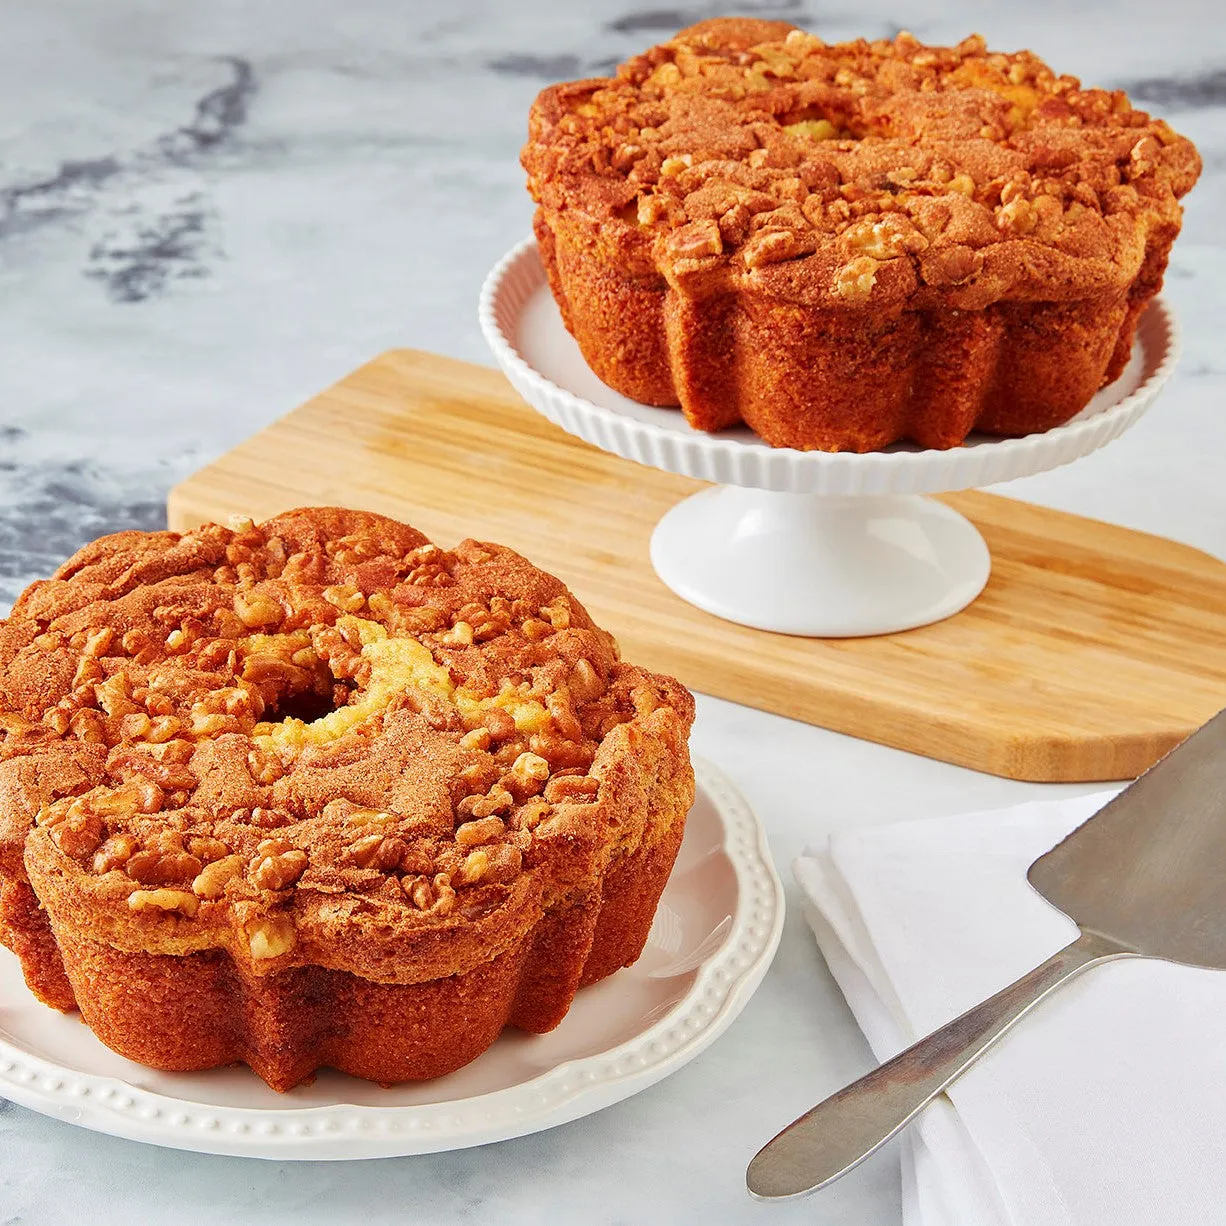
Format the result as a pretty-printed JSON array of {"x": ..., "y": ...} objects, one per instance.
[{"x": 1092, "y": 651}]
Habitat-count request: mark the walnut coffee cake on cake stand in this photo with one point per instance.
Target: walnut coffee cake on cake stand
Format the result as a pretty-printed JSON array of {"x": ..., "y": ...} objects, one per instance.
[{"x": 865, "y": 272}]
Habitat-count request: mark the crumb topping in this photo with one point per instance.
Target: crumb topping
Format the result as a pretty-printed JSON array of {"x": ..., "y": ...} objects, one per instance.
[
  {"x": 741, "y": 145},
  {"x": 324, "y": 702}
]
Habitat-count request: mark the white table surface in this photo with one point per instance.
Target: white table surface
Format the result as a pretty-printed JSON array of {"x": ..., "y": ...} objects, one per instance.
[{"x": 208, "y": 212}]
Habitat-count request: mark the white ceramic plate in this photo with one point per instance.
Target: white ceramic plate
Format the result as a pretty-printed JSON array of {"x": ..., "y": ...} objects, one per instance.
[
  {"x": 715, "y": 933},
  {"x": 524, "y": 328}
]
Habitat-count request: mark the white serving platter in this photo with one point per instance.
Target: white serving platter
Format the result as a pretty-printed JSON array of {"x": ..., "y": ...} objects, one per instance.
[{"x": 715, "y": 933}]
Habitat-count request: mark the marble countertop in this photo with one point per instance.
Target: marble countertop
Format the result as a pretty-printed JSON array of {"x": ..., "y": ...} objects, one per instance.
[{"x": 209, "y": 212}]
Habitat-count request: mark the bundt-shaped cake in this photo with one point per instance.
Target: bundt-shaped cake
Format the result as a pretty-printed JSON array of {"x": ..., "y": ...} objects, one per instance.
[
  {"x": 849, "y": 245},
  {"x": 317, "y": 792}
]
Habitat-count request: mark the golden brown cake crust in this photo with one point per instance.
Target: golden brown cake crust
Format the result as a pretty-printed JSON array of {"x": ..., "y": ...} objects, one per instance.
[
  {"x": 744, "y": 204},
  {"x": 318, "y": 751}
]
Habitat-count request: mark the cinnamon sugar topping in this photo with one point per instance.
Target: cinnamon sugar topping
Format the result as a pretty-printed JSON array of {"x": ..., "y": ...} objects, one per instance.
[
  {"x": 741, "y": 144},
  {"x": 391, "y": 710}
]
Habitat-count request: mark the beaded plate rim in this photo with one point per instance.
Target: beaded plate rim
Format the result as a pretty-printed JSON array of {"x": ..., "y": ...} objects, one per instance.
[
  {"x": 724, "y": 983},
  {"x": 660, "y": 439}
]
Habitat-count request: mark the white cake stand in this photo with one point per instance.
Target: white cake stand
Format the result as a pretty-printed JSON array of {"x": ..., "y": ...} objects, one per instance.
[{"x": 801, "y": 542}]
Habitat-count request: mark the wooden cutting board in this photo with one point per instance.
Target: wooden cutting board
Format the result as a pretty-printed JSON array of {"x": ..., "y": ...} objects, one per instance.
[{"x": 1092, "y": 651}]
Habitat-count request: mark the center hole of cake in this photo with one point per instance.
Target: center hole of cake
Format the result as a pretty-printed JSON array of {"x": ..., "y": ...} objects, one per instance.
[
  {"x": 306, "y": 705},
  {"x": 306, "y": 694}
]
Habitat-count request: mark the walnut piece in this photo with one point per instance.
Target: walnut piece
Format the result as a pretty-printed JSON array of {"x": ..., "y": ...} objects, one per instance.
[
  {"x": 419, "y": 891},
  {"x": 377, "y": 851},
  {"x": 345, "y": 597},
  {"x": 271, "y": 936},
  {"x": 276, "y": 865},
  {"x": 527, "y": 775},
  {"x": 211, "y": 881},
  {"x": 114, "y": 853},
  {"x": 498, "y": 863},
  {"x": 496, "y": 800},
  {"x": 179, "y": 901},
  {"x": 854, "y": 281},
  {"x": 484, "y": 830},
  {"x": 575, "y": 788},
  {"x": 152, "y": 867},
  {"x": 257, "y": 610},
  {"x": 78, "y": 835}
]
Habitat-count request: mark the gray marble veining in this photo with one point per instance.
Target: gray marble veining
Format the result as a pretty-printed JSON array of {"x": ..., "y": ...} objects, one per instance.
[{"x": 207, "y": 212}]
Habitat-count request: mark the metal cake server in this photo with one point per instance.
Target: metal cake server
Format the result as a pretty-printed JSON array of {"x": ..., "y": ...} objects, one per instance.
[{"x": 1144, "y": 877}]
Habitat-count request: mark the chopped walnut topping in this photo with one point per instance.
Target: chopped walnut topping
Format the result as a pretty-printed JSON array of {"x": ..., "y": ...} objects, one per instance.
[
  {"x": 474, "y": 867},
  {"x": 208, "y": 849},
  {"x": 377, "y": 851},
  {"x": 88, "y": 726},
  {"x": 698, "y": 239},
  {"x": 885, "y": 239},
  {"x": 854, "y": 281},
  {"x": 136, "y": 796},
  {"x": 445, "y": 895},
  {"x": 99, "y": 642},
  {"x": 257, "y": 610},
  {"x": 585, "y": 682},
  {"x": 460, "y": 635},
  {"x": 534, "y": 629},
  {"x": 78, "y": 835},
  {"x": 574, "y": 788},
  {"x": 214, "y": 724},
  {"x": 163, "y": 901},
  {"x": 135, "y": 727},
  {"x": 951, "y": 265},
  {"x": 1143, "y": 157},
  {"x": 562, "y": 712},
  {"x": 212, "y": 879},
  {"x": 271, "y": 936},
  {"x": 162, "y": 728},
  {"x": 557, "y": 613},
  {"x": 773, "y": 246},
  {"x": 496, "y": 800},
  {"x": 152, "y": 867},
  {"x": 358, "y": 816},
  {"x": 476, "y": 738},
  {"x": 114, "y": 853},
  {"x": 1017, "y": 216},
  {"x": 420, "y": 892},
  {"x": 276, "y": 865},
  {"x": 381, "y": 606},
  {"x": 345, "y": 597},
  {"x": 500, "y": 862},
  {"x": 527, "y": 775},
  {"x": 265, "y": 767},
  {"x": 483, "y": 830},
  {"x": 801, "y": 122},
  {"x": 561, "y": 753},
  {"x": 529, "y": 816},
  {"x": 229, "y": 739},
  {"x": 113, "y": 697}
]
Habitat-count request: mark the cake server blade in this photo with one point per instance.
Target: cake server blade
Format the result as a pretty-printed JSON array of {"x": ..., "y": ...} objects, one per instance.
[{"x": 1144, "y": 877}]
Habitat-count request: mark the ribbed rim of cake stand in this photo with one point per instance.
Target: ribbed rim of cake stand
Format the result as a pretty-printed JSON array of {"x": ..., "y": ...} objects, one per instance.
[{"x": 751, "y": 462}]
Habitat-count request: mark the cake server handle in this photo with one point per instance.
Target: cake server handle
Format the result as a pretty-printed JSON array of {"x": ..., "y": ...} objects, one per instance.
[{"x": 839, "y": 1133}]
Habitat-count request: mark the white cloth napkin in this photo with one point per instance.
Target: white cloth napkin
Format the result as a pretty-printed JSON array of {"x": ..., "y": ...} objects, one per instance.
[{"x": 1105, "y": 1107}]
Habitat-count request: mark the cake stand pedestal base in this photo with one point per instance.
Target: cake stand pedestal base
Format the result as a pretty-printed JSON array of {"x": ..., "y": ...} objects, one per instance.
[{"x": 821, "y": 566}]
